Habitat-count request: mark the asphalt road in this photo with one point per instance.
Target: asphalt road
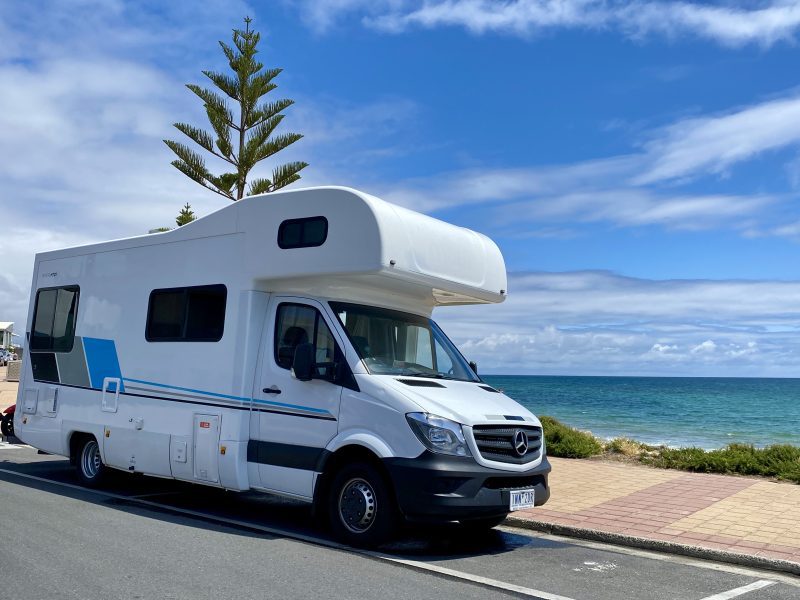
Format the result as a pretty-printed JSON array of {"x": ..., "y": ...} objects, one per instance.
[{"x": 149, "y": 538}]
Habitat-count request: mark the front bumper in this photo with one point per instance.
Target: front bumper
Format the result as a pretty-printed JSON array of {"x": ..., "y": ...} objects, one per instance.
[{"x": 437, "y": 487}]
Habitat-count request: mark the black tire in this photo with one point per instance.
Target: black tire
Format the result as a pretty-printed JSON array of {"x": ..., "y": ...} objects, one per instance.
[
  {"x": 7, "y": 425},
  {"x": 89, "y": 464},
  {"x": 362, "y": 511}
]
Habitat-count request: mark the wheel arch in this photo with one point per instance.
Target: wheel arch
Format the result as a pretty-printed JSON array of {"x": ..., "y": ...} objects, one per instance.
[
  {"x": 74, "y": 440},
  {"x": 350, "y": 453}
]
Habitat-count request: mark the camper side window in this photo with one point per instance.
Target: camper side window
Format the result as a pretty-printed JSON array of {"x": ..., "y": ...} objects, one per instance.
[
  {"x": 303, "y": 233},
  {"x": 54, "y": 319},
  {"x": 189, "y": 314}
]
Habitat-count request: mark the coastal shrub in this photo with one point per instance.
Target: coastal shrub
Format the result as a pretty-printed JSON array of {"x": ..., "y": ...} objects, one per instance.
[
  {"x": 625, "y": 447},
  {"x": 566, "y": 442},
  {"x": 781, "y": 461}
]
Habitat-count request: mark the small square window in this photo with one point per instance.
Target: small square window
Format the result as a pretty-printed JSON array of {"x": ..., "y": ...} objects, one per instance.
[{"x": 303, "y": 233}]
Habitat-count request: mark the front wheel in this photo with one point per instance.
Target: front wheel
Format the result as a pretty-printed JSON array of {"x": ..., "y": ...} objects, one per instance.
[
  {"x": 362, "y": 509},
  {"x": 91, "y": 469}
]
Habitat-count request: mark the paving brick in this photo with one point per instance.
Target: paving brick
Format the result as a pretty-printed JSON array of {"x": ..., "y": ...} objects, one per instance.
[{"x": 736, "y": 514}]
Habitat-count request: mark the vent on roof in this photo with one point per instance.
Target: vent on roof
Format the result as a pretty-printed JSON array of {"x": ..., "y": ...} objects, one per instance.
[
  {"x": 420, "y": 383},
  {"x": 489, "y": 388}
]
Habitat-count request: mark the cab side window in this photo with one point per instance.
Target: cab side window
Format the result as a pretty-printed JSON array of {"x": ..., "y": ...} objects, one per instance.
[
  {"x": 295, "y": 325},
  {"x": 299, "y": 324}
]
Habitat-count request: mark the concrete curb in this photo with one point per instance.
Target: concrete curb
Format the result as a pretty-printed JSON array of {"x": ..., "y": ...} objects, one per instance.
[{"x": 745, "y": 560}]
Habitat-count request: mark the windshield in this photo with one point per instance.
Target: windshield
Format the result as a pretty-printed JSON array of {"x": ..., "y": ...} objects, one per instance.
[{"x": 391, "y": 342}]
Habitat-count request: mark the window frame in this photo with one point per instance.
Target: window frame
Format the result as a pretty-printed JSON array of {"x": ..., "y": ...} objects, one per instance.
[
  {"x": 73, "y": 287},
  {"x": 302, "y": 220},
  {"x": 185, "y": 290}
]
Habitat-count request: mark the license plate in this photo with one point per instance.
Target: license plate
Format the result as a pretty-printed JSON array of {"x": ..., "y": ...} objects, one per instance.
[{"x": 521, "y": 499}]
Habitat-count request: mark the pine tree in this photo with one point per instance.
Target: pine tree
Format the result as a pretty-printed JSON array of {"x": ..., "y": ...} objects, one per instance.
[
  {"x": 244, "y": 137},
  {"x": 185, "y": 216}
]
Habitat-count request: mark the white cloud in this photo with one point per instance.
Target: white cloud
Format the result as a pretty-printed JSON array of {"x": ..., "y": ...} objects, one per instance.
[
  {"x": 597, "y": 322},
  {"x": 729, "y": 24},
  {"x": 707, "y": 346},
  {"x": 712, "y": 144},
  {"x": 636, "y": 189}
]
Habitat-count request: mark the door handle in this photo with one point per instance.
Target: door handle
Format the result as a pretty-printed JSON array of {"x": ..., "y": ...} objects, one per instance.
[{"x": 272, "y": 390}]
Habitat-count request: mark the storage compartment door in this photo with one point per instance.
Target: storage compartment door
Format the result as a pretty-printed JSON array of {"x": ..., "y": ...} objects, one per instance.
[{"x": 206, "y": 447}]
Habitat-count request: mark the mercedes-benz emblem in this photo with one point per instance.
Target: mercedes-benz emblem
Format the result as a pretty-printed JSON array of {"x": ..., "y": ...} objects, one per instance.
[{"x": 520, "y": 442}]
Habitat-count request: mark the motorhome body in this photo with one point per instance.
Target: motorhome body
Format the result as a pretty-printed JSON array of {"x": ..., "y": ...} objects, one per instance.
[{"x": 283, "y": 344}]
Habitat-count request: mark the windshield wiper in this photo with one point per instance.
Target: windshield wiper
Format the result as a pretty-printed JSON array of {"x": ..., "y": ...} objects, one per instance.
[{"x": 428, "y": 375}]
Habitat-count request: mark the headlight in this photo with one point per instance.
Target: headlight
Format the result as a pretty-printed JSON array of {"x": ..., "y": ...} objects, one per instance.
[{"x": 438, "y": 434}]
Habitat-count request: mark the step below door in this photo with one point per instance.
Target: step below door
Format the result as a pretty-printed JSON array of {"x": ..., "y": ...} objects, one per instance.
[{"x": 206, "y": 447}]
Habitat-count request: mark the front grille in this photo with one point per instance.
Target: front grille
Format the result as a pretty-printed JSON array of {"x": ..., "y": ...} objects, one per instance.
[{"x": 496, "y": 442}]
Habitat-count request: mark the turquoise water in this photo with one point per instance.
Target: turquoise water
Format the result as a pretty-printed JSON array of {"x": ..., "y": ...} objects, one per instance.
[{"x": 676, "y": 411}]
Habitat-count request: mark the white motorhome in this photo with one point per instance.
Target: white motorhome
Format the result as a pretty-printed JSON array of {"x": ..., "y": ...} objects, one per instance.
[{"x": 283, "y": 344}]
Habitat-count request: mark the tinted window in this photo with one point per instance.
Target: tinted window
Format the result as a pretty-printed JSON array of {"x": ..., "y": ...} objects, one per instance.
[
  {"x": 190, "y": 314},
  {"x": 299, "y": 324},
  {"x": 303, "y": 233},
  {"x": 54, "y": 319}
]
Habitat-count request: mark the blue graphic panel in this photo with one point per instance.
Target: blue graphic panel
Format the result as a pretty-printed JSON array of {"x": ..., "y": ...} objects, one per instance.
[{"x": 101, "y": 357}]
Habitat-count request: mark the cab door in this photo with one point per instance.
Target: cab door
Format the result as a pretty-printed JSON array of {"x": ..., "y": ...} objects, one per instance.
[{"x": 292, "y": 421}]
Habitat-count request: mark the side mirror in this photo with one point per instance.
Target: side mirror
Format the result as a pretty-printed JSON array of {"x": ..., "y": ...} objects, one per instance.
[
  {"x": 303, "y": 363},
  {"x": 474, "y": 366}
]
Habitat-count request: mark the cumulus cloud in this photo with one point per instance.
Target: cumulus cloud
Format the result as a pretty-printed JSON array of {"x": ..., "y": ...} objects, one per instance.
[
  {"x": 707, "y": 346},
  {"x": 728, "y": 24},
  {"x": 596, "y": 322}
]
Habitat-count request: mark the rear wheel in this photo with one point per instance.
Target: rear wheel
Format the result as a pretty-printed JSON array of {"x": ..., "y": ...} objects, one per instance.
[
  {"x": 362, "y": 510},
  {"x": 89, "y": 464},
  {"x": 7, "y": 425}
]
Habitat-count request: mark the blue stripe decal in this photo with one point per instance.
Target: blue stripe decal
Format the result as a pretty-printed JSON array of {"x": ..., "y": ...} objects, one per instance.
[
  {"x": 228, "y": 397},
  {"x": 101, "y": 358}
]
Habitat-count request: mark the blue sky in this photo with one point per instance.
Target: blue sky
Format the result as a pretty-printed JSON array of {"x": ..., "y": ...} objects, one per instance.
[{"x": 638, "y": 163}]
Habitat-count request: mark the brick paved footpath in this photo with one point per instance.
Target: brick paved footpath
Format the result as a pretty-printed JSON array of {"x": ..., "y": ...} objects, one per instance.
[
  {"x": 735, "y": 515},
  {"x": 745, "y": 516}
]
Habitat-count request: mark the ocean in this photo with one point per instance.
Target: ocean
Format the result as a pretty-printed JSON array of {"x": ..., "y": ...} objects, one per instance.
[{"x": 706, "y": 412}]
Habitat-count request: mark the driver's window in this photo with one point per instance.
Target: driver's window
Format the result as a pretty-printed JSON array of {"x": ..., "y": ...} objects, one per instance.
[
  {"x": 300, "y": 324},
  {"x": 294, "y": 326}
]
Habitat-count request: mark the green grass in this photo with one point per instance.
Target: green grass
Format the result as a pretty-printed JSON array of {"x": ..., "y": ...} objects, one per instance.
[{"x": 780, "y": 461}]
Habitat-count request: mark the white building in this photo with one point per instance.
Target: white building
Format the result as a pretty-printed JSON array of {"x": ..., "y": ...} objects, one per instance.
[{"x": 6, "y": 334}]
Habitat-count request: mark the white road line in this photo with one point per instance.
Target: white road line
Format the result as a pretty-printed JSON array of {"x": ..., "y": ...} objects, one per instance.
[
  {"x": 510, "y": 587},
  {"x": 417, "y": 565},
  {"x": 745, "y": 589},
  {"x": 7, "y": 446}
]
